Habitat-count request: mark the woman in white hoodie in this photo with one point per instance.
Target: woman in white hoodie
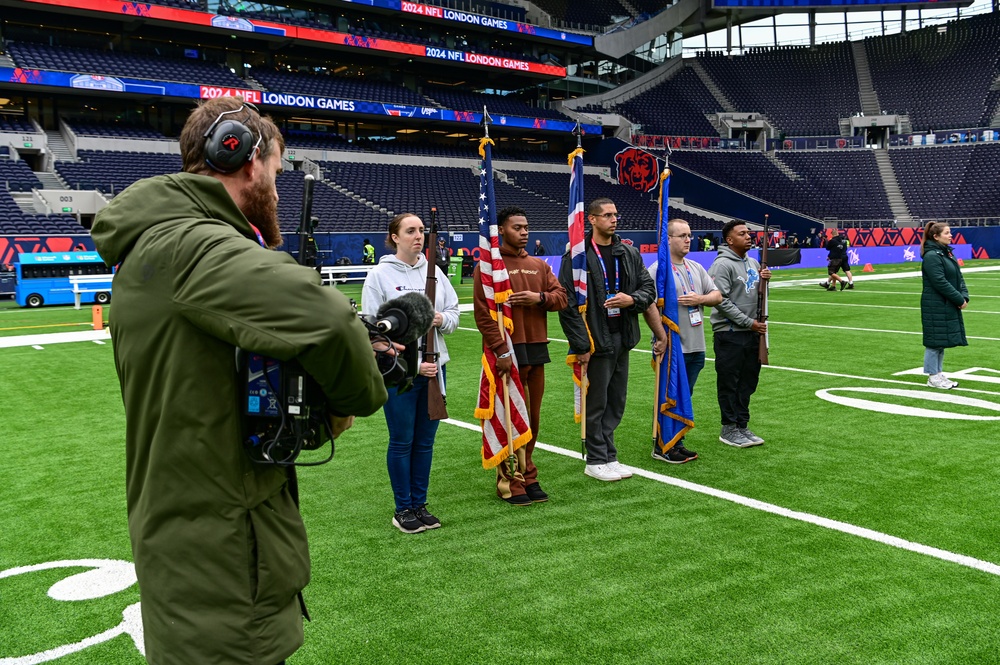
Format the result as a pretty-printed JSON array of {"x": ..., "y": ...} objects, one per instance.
[{"x": 411, "y": 432}]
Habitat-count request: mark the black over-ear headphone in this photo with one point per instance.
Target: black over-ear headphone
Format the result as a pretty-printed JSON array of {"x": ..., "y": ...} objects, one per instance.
[{"x": 229, "y": 144}]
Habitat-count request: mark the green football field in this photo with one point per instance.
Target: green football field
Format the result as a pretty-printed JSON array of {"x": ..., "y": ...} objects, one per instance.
[{"x": 863, "y": 531}]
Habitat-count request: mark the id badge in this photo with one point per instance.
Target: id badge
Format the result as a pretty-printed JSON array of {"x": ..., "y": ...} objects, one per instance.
[
  {"x": 694, "y": 314},
  {"x": 613, "y": 311}
]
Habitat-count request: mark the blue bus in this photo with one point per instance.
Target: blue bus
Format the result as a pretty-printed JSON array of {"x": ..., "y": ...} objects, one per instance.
[{"x": 44, "y": 278}]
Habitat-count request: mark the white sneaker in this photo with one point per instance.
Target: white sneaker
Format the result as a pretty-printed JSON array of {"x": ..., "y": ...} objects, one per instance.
[
  {"x": 620, "y": 469},
  {"x": 601, "y": 472},
  {"x": 940, "y": 381}
]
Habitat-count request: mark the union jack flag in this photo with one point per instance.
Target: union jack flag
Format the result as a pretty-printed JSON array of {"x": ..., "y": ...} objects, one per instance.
[
  {"x": 497, "y": 289},
  {"x": 578, "y": 258}
]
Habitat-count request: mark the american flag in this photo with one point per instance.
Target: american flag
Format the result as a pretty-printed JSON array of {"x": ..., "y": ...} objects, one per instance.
[
  {"x": 578, "y": 259},
  {"x": 496, "y": 287},
  {"x": 674, "y": 410}
]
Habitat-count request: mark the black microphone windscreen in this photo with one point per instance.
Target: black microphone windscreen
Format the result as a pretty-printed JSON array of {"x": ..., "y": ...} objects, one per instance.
[{"x": 419, "y": 315}]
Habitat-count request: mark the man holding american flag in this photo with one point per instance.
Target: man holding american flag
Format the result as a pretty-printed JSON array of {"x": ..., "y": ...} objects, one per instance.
[{"x": 536, "y": 291}]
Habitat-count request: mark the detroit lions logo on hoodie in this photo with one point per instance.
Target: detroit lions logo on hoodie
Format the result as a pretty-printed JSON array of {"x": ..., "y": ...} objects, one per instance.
[{"x": 750, "y": 283}]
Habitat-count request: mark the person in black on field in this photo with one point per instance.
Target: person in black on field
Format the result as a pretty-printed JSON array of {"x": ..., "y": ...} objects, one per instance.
[{"x": 837, "y": 259}]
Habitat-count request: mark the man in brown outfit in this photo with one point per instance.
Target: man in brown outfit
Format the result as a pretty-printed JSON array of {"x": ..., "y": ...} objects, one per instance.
[{"x": 536, "y": 292}]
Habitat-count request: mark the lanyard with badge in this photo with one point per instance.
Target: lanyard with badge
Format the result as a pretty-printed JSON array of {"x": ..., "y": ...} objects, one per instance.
[
  {"x": 608, "y": 293},
  {"x": 694, "y": 313}
]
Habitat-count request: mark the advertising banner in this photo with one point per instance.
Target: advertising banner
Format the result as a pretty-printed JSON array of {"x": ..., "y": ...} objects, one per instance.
[
  {"x": 240, "y": 24},
  {"x": 194, "y": 91}
]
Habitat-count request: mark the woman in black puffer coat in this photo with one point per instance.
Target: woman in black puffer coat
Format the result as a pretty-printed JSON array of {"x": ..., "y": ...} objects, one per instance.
[{"x": 941, "y": 303}]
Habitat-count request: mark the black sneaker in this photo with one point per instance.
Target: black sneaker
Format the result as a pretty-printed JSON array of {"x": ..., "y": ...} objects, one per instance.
[
  {"x": 428, "y": 520},
  {"x": 536, "y": 493},
  {"x": 519, "y": 500},
  {"x": 831, "y": 287},
  {"x": 407, "y": 522},
  {"x": 691, "y": 455},
  {"x": 672, "y": 456},
  {"x": 843, "y": 285},
  {"x": 850, "y": 285}
]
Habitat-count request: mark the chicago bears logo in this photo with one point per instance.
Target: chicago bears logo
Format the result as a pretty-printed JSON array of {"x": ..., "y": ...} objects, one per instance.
[
  {"x": 637, "y": 169},
  {"x": 231, "y": 143},
  {"x": 627, "y": 241},
  {"x": 841, "y": 143}
]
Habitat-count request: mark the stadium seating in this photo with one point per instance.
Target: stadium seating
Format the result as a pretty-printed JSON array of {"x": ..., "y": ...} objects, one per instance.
[
  {"x": 676, "y": 107},
  {"x": 592, "y": 14},
  {"x": 111, "y": 171},
  {"x": 14, "y": 220},
  {"x": 949, "y": 181},
  {"x": 804, "y": 91},
  {"x": 336, "y": 211},
  {"x": 323, "y": 85},
  {"x": 15, "y": 123},
  {"x": 116, "y": 63},
  {"x": 462, "y": 100},
  {"x": 16, "y": 176},
  {"x": 320, "y": 141},
  {"x": 941, "y": 79},
  {"x": 119, "y": 130},
  {"x": 833, "y": 184}
]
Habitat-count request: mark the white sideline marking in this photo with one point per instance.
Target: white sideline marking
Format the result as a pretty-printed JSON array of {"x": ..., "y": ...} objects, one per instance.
[
  {"x": 851, "y": 304},
  {"x": 914, "y": 293},
  {"x": 843, "y": 527},
  {"x": 870, "y": 277},
  {"x": 803, "y": 371},
  {"x": 875, "y": 330},
  {"x": 36, "y": 341}
]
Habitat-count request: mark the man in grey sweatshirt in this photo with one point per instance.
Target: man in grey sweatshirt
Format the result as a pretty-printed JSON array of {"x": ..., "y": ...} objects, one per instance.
[{"x": 736, "y": 333}]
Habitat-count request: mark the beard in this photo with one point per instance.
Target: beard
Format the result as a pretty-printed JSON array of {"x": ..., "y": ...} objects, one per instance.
[{"x": 261, "y": 210}]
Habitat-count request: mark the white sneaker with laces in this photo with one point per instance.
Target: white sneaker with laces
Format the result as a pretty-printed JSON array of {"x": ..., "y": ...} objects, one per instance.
[
  {"x": 620, "y": 469},
  {"x": 940, "y": 381},
  {"x": 601, "y": 472}
]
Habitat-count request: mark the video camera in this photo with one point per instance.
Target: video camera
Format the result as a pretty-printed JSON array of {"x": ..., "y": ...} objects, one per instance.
[{"x": 403, "y": 320}]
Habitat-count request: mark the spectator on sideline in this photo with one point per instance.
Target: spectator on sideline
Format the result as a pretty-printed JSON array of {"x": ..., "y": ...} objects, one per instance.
[
  {"x": 695, "y": 290},
  {"x": 367, "y": 253},
  {"x": 442, "y": 257},
  {"x": 837, "y": 259},
  {"x": 218, "y": 542},
  {"x": 411, "y": 431},
  {"x": 536, "y": 293},
  {"x": 539, "y": 248},
  {"x": 737, "y": 333},
  {"x": 942, "y": 300},
  {"x": 618, "y": 289}
]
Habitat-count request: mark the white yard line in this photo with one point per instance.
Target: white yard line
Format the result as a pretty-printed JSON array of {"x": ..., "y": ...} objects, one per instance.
[
  {"x": 966, "y": 312},
  {"x": 843, "y": 527},
  {"x": 874, "y": 330},
  {"x": 39, "y": 341},
  {"x": 975, "y": 296}
]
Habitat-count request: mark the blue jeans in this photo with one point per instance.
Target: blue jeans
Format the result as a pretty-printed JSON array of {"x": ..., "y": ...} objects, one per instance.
[
  {"x": 694, "y": 362},
  {"x": 933, "y": 360},
  {"x": 411, "y": 444}
]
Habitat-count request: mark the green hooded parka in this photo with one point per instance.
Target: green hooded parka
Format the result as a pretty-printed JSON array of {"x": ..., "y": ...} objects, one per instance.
[
  {"x": 943, "y": 294},
  {"x": 219, "y": 546}
]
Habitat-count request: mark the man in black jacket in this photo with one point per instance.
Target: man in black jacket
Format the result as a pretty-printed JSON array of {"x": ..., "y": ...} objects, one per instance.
[{"x": 619, "y": 289}]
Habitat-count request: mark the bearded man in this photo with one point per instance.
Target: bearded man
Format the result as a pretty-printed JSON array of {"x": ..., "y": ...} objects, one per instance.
[{"x": 219, "y": 546}]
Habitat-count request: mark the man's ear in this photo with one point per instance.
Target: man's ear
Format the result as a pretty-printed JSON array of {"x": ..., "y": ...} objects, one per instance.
[{"x": 251, "y": 170}]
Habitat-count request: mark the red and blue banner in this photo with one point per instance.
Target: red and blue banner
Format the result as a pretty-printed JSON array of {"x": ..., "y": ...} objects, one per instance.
[{"x": 236, "y": 24}]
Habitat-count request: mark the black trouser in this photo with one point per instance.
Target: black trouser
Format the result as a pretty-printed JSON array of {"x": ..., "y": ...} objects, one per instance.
[
  {"x": 608, "y": 379},
  {"x": 737, "y": 369}
]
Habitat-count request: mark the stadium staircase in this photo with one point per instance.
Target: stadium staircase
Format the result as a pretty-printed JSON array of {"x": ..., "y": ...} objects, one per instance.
[
  {"x": 25, "y": 201},
  {"x": 995, "y": 120},
  {"x": 897, "y": 204},
  {"x": 720, "y": 97},
  {"x": 254, "y": 83},
  {"x": 5, "y": 61},
  {"x": 435, "y": 103},
  {"x": 357, "y": 197},
  {"x": 58, "y": 147},
  {"x": 784, "y": 168},
  {"x": 51, "y": 180},
  {"x": 869, "y": 98}
]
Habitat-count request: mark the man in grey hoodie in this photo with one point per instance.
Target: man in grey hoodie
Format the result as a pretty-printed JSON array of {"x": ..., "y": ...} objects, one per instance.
[{"x": 736, "y": 333}]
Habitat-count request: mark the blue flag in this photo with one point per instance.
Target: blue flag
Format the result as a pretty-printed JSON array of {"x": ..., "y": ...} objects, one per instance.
[{"x": 674, "y": 410}]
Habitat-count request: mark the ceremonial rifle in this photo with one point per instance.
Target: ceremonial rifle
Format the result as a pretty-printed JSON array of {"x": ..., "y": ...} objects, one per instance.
[
  {"x": 436, "y": 405},
  {"x": 762, "y": 298}
]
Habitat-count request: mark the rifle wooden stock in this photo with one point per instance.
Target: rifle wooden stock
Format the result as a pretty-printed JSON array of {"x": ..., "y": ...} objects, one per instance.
[
  {"x": 437, "y": 408},
  {"x": 762, "y": 348}
]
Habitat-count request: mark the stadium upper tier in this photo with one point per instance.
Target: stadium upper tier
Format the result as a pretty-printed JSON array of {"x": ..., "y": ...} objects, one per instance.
[
  {"x": 940, "y": 79},
  {"x": 333, "y": 86},
  {"x": 824, "y": 184},
  {"x": 112, "y": 63},
  {"x": 461, "y": 100}
]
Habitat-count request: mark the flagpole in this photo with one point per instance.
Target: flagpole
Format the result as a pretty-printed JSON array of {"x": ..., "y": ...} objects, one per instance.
[
  {"x": 511, "y": 457},
  {"x": 578, "y": 133},
  {"x": 658, "y": 360}
]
